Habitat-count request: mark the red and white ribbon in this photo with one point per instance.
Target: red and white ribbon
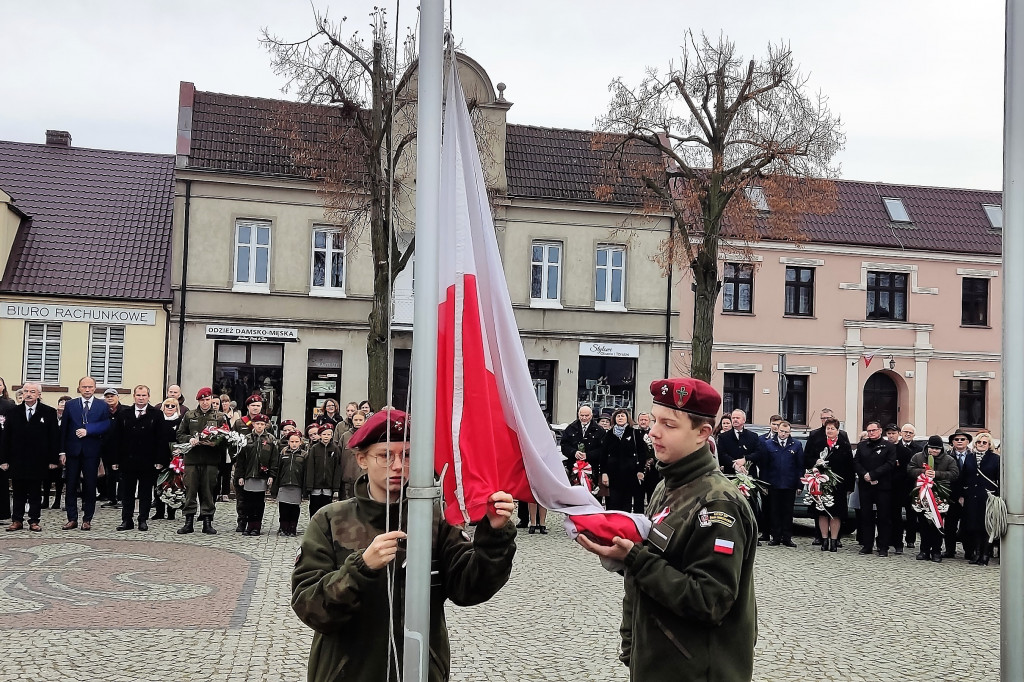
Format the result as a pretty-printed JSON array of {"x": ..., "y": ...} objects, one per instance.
[
  {"x": 583, "y": 472},
  {"x": 926, "y": 495},
  {"x": 177, "y": 464},
  {"x": 813, "y": 480}
]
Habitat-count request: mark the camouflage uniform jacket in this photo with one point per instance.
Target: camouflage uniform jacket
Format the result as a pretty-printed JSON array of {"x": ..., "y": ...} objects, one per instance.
[
  {"x": 258, "y": 459},
  {"x": 689, "y": 611},
  {"x": 192, "y": 424},
  {"x": 346, "y": 603}
]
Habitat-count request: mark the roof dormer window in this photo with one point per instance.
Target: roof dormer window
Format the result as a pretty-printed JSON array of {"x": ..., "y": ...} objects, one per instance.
[
  {"x": 756, "y": 196},
  {"x": 897, "y": 211},
  {"x": 995, "y": 215}
]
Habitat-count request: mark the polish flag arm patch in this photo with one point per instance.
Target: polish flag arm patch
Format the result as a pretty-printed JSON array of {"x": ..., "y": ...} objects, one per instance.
[{"x": 724, "y": 546}]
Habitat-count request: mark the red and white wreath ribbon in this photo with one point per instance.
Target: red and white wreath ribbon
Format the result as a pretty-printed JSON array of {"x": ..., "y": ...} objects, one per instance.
[
  {"x": 813, "y": 480},
  {"x": 926, "y": 496},
  {"x": 177, "y": 464},
  {"x": 583, "y": 472}
]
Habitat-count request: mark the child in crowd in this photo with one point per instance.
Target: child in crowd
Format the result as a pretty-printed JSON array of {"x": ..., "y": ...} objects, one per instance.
[
  {"x": 257, "y": 468},
  {"x": 322, "y": 474},
  {"x": 291, "y": 472}
]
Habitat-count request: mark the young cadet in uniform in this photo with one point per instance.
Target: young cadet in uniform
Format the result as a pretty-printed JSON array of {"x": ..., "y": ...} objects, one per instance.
[
  {"x": 256, "y": 468},
  {"x": 291, "y": 466},
  {"x": 253, "y": 408},
  {"x": 689, "y": 611},
  {"x": 201, "y": 462},
  {"x": 341, "y": 577},
  {"x": 323, "y": 473}
]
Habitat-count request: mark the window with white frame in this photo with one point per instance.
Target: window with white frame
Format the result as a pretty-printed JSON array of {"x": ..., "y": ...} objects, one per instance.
[
  {"x": 106, "y": 354},
  {"x": 328, "y": 275},
  {"x": 252, "y": 255},
  {"x": 42, "y": 352},
  {"x": 545, "y": 273},
  {"x": 610, "y": 278}
]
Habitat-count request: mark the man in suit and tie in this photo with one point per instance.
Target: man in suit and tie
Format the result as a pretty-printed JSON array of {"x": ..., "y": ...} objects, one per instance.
[
  {"x": 28, "y": 448},
  {"x": 740, "y": 450},
  {"x": 139, "y": 449},
  {"x": 85, "y": 422}
]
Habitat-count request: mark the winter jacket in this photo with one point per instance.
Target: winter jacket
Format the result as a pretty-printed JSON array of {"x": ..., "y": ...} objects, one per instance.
[
  {"x": 878, "y": 458},
  {"x": 291, "y": 467},
  {"x": 192, "y": 424},
  {"x": 258, "y": 459},
  {"x": 323, "y": 470}
]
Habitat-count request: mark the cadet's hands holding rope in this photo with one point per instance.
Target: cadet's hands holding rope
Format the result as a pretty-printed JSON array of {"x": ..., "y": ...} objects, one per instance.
[{"x": 382, "y": 550}]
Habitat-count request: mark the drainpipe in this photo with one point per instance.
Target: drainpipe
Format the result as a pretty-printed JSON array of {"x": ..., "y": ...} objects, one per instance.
[
  {"x": 668, "y": 301},
  {"x": 184, "y": 281},
  {"x": 167, "y": 345}
]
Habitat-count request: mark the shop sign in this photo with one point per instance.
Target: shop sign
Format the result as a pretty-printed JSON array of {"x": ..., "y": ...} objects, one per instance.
[
  {"x": 609, "y": 350},
  {"x": 258, "y": 334},
  {"x": 76, "y": 313}
]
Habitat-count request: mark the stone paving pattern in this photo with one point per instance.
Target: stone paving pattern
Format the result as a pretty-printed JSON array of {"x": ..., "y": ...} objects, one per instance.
[{"x": 822, "y": 616}]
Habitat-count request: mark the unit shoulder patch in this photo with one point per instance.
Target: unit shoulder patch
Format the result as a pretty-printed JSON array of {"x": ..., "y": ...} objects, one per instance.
[{"x": 705, "y": 518}]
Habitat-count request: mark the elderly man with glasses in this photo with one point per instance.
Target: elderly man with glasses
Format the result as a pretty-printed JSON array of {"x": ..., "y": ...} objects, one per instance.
[
  {"x": 961, "y": 441},
  {"x": 874, "y": 463}
]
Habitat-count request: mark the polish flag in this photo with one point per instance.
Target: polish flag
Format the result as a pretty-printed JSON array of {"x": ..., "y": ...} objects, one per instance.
[
  {"x": 724, "y": 546},
  {"x": 490, "y": 431}
]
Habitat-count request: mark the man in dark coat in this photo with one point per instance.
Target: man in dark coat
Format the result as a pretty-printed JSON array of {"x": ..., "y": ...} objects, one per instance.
[
  {"x": 139, "y": 447},
  {"x": 85, "y": 422},
  {"x": 583, "y": 432},
  {"x": 737, "y": 444},
  {"x": 902, "y": 487},
  {"x": 960, "y": 441},
  {"x": 874, "y": 462},
  {"x": 28, "y": 447}
]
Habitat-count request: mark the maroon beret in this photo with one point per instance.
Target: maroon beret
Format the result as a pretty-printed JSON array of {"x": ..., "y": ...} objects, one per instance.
[
  {"x": 384, "y": 425},
  {"x": 312, "y": 427},
  {"x": 288, "y": 422},
  {"x": 204, "y": 392},
  {"x": 260, "y": 418},
  {"x": 688, "y": 395},
  {"x": 254, "y": 398}
]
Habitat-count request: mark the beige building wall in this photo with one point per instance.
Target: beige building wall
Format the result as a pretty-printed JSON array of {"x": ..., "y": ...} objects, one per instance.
[{"x": 925, "y": 357}]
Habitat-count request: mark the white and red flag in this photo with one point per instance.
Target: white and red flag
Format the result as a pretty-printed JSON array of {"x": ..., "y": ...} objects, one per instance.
[{"x": 491, "y": 434}]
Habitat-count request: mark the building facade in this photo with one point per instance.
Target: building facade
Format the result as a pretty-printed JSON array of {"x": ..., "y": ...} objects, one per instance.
[{"x": 84, "y": 251}]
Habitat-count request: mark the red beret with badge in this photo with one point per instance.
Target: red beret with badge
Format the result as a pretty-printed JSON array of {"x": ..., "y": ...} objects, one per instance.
[
  {"x": 254, "y": 398},
  {"x": 288, "y": 422},
  {"x": 687, "y": 395},
  {"x": 260, "y": 418},
  {"x": 385, "y": 425},
  {"x": 204, "y": 392}
]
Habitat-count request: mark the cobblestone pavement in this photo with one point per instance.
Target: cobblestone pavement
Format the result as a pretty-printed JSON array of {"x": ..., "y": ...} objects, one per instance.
[{"x": 70, "y": 605}]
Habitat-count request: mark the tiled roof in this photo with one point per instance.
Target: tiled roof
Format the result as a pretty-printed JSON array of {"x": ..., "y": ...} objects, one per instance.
[
  {"x": 100, "y": 221},
  {"x": 551, "y": 163},
  {"x": 554, "y": 163},
  {"x": 275, "y": 137}
]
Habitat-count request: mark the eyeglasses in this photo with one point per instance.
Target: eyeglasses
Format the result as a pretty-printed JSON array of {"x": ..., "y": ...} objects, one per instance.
[
  {"x": 960, "y": 440},
  {"x": 874, "y": 430},
  {"x": 388, "y": 459}
]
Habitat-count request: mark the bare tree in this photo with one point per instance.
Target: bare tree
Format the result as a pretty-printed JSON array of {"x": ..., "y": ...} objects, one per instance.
[
  {"x": 743, "y": 152},
  {"x": 355, "y": 146}
]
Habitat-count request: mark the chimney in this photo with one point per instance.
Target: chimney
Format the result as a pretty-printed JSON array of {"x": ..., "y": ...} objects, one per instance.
[{"x": 58, "y": 138}]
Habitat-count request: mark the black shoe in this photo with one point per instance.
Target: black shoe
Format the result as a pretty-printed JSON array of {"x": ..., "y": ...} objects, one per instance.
[
  {"x": 208, "y": 526},
  {"x": 983, "y": 561},
  {"x": 240, "y": 528},
  {"x": 824, "y": 542},
  {"x": 898, "y": 550},
  {"x": 157, "y": 516},
  {"x": 949, "y": 555},
  {"x": 170, "y": 514},
  {"x": 143, "y": 526},
  {"x": 788, "y": 543},
  {"x": 109, "y": 505},
  {"x": 764, "y": 537},
  {"x": 837, "y": 543},
  {"x": 833, "y": 545},
  {"x": 864, "y": 550},
  {"x": 126, "y": 525},
  {"x": 910, "y": 544},
  {"x": 189, "y": 526},
  {"x": 921, "y": 556},
  {"x": 543, "y": 530},
  {"x": 937, "y": 558},
  {"x": 818, "y": 541},
  {"x": 533, "y": 529},
  {"x": 522, "y": 524},
  {"x": 974, "y": 562},
  {"x": 883, "y": 552},
  {"x": 773, "y": 543}
]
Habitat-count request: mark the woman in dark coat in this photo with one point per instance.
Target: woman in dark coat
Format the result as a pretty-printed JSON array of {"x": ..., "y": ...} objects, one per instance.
[
  {"x": 979, "y": 478},
  {"x": 331, "y": 414},
  {"x": 5, "y": 486},
  {"x": 623, "y": 464},
  {"x": 171, "y": 410},
  {"x": 838, "y": 455}
]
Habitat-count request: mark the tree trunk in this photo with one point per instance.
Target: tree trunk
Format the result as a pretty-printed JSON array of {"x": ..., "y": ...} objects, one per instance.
[
  {"x": 380, "y": 242},
  {"x": 705, "y": 276}
]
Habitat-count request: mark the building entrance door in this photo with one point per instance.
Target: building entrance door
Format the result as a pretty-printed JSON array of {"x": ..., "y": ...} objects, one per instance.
[{"x": 881, "y": 400}]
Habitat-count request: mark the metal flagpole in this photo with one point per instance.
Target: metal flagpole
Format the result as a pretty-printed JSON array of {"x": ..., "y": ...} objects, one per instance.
[
  {"x": 1011, "y": 551},
  {"x": 421, "y": 490}
]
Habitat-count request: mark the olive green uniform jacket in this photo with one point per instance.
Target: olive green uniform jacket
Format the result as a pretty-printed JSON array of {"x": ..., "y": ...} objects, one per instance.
[
  {"x": 346, "y": 603},
  {"x": 323, "y": 470},
  {"x": 291, "y": 467},
  {"x": 689, "y": 612},
  {"x": 192, "y": 424},
  {"x": 258, "y": 459}
]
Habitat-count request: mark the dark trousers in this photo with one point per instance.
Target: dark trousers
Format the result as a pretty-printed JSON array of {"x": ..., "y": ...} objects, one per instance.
[
  {"x": 28, "y": 490},
  {"x": 900, "y": 504},
  {"x": 144, "y": 478},
  {"x": 200, "y": 482},
  {"x": 54, "y": 479},
  {"x": 255, "y": 504},
  {"x": 880, "y": 518},
  {"x": 931, "y": 537},
  {"x": 5, "y": 495},
  {"x": 86, "y": 467},
  {"x": 239, "y": 499},
  {"x": 626, "y": 494},
  {"x": 780, "y": 512},
  {"x": 316, "y": 502},
  {"x": 976, "y": 544},
  {"x": 952, "y": 526},
  {"x": 289, "y": 513},
  {"x": 225, "y": 480},
  {"x": 108, "y": 488}
]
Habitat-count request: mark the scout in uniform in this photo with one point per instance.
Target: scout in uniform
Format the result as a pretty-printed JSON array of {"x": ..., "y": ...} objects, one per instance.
[
  {"x": 340, "y": 584},
  {"x": 256, "y": 469},
  {"x": 201, "y": 462},
  {"x": 323, "y": 471},
  {"x": 291, "y": 475},
  {"x": 689, "y": 612},
  {"x": 253, "y": 408}
]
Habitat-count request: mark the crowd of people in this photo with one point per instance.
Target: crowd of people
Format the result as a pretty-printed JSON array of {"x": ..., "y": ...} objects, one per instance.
[{"x": 94, "y": 450}]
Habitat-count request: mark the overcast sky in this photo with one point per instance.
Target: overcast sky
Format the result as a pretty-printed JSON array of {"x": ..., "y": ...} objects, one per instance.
[{"x": 918, "y": 84}]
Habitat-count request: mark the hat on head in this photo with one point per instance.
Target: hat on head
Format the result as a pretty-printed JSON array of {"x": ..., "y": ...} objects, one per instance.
[
  {"x": 385, "y": 425},
  {"x": 892, "y": 427},
  {"x": 288, "y": 422},
  {"x": 204, "y": 392},
  {"x": 958, "y": 432},
  {"x": 310, "y": 428},
  {"x": 688, "y": 395},
  {"x": 254, "y": 398},
  {"x": 935, "y": 442},
  {"x": 260, "y": 418},
  {"x": 110, "y": 391}
]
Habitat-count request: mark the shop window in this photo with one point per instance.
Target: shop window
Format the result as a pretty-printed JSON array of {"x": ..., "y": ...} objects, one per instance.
[
  {"x": 887, "y": 296},
  {"x": 738, "y": 288},
  {"x": 42, "y": 352},
  {"x": 400, "y": 373},
  {"x": 974, "y": 311},
  {"x": 610, "y": 277},
  {"x": 252, "y": 255},
  {"x": 606, "y": 384},
  {"x": 972, "y": 403},
  {"x": 328, "y": 262},
  {"x": 799, "y": 291},
  {"x": 546, "y": 273},
  {"x": 795, "y": 401},
  {"x": 738, "y": 394},
  {"x": 106, "y": 354},
  {"x": 543, "y": 373},
  {"x": 244, "y": 369}
]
